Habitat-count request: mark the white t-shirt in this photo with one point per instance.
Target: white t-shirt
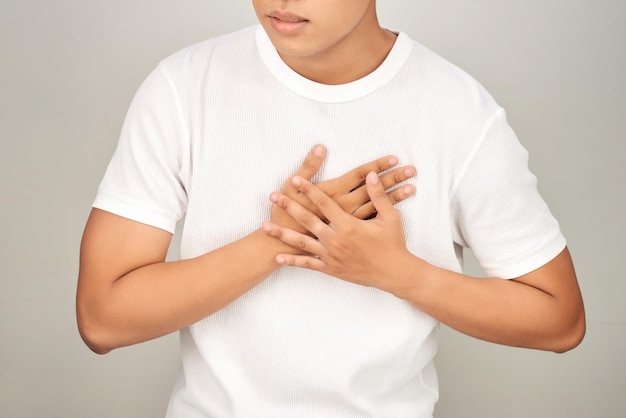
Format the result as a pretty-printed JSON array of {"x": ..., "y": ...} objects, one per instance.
[{"x": 221, "y": 124}]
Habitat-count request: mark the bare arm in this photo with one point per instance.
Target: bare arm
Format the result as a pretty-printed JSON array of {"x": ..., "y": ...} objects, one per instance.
[
  {"x": 542, "y": 309},
  {"x": 127, "y": 293}
]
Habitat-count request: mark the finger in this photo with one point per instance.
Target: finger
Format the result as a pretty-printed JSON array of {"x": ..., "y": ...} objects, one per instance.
[
  {"x": 300, "y": 242},
  {"x": 309, "y": 168},
  {"x": 304, "y": 217},
  {"x": 312, "y": 163},
  {"x": 320, "y": 200},
  {"x": 356, "y": 177},
  {"x": 377, "y": 194},
  {"x": 362, "y": 207},
  {"x": 302, "y": 261},
  {"x": 395, "y": 196},
  {"x": 397, "y": 176}
]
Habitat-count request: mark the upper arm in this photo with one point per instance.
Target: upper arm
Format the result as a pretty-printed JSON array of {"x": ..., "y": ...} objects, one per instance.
[
  {"x": 113, "y": 246},
  {"x": 498, "y": 210}
]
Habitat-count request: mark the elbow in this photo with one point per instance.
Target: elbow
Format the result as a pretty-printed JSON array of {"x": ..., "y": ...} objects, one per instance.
[
  {"x": 93, "y": 333},
  {"x": 93, "y": 338},
  {"x": 572, "y": 334},
  {"x": 95, "y": 344}
]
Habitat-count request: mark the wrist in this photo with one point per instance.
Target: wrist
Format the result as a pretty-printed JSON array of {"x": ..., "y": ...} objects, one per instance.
[
  {"x": 410, "y": 278},
  {"x": 269, "y": 247}
]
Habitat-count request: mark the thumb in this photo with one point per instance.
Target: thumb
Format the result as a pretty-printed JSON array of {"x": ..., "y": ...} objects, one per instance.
[
  {"x": 312, "y": 163},
  {"x": 376, "y": 192}
]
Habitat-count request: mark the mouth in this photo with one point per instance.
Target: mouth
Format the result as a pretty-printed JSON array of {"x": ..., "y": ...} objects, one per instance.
[
  {"x": 287, "y": 23},
  {"x": 286, "y": 17}
]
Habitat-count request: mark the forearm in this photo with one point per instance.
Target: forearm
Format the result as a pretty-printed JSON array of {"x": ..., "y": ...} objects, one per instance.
[
  {"x": 162, "y": 297},
  {"x": 542, "y": 309},
  {"x": 128, "y": 294},
  {"x": 509, "y": 312}
]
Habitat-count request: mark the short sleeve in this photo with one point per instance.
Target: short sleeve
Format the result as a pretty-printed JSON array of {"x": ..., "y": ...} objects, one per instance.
[
  {"x": 146, "y": 177},
  {"x": 497, "y": 209}
]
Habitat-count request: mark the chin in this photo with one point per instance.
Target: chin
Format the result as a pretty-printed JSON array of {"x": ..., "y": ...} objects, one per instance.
[{"x": 288, "y": 49}]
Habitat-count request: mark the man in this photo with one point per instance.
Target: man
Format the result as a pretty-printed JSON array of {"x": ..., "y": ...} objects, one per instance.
[{"x": 219, "y": 125}]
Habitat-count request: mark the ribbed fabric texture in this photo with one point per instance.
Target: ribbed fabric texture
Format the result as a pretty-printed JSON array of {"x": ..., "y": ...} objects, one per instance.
[{"x": 218, "y": 126}]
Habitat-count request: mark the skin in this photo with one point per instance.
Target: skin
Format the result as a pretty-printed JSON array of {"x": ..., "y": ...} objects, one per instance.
[
  {"x": 335, "y": 42},
  {"x": 542, "y": 309},
  {"x": 127, "y": 293}
]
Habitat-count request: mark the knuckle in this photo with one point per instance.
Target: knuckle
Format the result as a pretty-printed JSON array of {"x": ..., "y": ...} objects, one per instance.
[
  {"x": 305, "y": 188},
  {"x": 348, "y": 230},
  {"x": 394, "y": 197},
  {"x": 307, "y": 219},
  {"x": 361, "y": 173},
  {"x": 282, "y": 203},
  {"x": 322, "y": 203}
]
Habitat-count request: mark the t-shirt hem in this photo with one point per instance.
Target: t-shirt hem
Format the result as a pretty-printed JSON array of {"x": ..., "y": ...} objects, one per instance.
[
  {"x": 134, "y": 212},
  {"x": 540, "y": 258}
]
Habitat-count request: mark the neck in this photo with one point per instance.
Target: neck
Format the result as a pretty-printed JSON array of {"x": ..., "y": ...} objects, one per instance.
[{"x": 350, "y": 59}]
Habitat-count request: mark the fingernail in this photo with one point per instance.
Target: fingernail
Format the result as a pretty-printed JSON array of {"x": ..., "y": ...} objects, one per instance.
[
  {"x": 280, "y": 260},
  {"x": 372, "y": 178},
  {"x": 318, "y": 151},
  {"x": 408, "y": 190},
  {"x": 392, "y": 161},
  {"x": 296, "y": 181},
  {"x": 409, "y": 172}
]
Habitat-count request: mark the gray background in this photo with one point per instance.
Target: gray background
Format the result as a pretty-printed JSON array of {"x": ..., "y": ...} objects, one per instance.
[{"x": 68, "y": 71}]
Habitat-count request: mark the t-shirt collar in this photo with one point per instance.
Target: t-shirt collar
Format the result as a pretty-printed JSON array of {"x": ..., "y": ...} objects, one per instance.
[{"x": 333, "y": 93}]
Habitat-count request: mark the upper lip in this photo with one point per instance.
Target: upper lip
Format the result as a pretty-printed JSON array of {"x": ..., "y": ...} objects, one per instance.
[{"x": 286, "y": 16}]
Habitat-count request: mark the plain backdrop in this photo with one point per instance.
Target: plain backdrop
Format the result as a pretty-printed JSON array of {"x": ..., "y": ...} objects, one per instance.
[{"x": 69, "y": 69}]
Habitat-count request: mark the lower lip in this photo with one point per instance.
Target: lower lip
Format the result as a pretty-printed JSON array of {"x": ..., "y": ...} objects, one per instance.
[{"x": 287, "y": 28}]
